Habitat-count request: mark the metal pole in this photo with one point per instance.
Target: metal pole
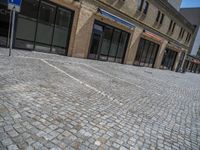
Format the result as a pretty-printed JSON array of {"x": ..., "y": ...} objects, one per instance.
[
  {"x": 12, "y": 31},
  {"x": 10, "y": 22}
]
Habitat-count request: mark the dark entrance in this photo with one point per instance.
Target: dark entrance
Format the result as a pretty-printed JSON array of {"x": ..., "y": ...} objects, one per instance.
[
  {"x": 169, "y": 59},
  {"x": 108, "y": 43},
  {"x": 41, "y": 25},
  {"x": 4, "y": 24},
  {"x": 146, "y": 53}
]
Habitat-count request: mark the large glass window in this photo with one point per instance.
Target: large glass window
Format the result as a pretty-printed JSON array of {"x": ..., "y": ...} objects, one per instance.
[
  {"x": 26, "y": 24},
  {"x": 169, "y": 59},
  {"x": 61, "y": 30},
  {"x": 108, "y": 43},
  {"x": 43, "y": 26},
  {"x": 146, "y": 54},
  {"x": 114, "y": 44},
  {"x": 122, "y": 46}
]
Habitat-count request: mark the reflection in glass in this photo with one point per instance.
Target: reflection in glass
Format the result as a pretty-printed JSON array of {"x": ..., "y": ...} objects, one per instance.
[
  {"x": 106, "y": 42},
  {"x": 146, "y": 54}
]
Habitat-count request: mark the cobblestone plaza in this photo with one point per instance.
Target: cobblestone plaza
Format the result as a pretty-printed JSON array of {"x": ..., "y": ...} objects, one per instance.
[{"x": 57, "y": 102}]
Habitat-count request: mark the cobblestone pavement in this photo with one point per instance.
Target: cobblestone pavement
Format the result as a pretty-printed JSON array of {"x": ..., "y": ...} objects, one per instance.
[{"x": 56, "y": 102}]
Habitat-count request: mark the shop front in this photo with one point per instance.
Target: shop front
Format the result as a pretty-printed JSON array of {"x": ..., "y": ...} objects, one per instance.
[
  {"x": 108, "y": 43},
  {"x": 42, "y": 26},
  {"x": 169, "y": 59},
  {"x": 146, "y": 53}
]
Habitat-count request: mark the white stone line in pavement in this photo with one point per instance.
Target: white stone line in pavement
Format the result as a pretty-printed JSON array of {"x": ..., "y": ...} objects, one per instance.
[
  {"x": 79, "y": 81},
  {"x": 108, "y": 74}
]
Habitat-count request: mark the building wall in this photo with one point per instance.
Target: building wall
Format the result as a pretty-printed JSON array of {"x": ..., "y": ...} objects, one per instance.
[
  {"x": 193, "y": 15},
  {"x": 196, "y": 44}
]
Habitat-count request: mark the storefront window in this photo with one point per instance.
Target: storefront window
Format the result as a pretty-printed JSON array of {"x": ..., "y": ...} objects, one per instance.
[
  {"x": 122, "y": 46},
  {"x": 108, "y": 43},
  {"x": 43, "y": 26},
  {"x": 114, "y": 44},
  {"x": 146, "y": 54},
  {"x": 169, "y": 59}
]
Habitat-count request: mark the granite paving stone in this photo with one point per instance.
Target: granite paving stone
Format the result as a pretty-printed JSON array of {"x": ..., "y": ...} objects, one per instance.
[{"x": 50, "y": 101}]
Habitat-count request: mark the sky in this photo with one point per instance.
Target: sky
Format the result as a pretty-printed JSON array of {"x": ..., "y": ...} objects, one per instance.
[{"x": 190, "y": 3}]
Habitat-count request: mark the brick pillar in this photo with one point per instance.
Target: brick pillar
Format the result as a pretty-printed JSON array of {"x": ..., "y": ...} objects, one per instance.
[
  {"x": 133, "y": 45},
  {"x": 83, "y": 32},
  {"x": 160, "y": 54}
]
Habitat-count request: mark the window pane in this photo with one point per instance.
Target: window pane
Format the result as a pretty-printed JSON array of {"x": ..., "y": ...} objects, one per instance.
[
  {"x": 60, "y": 37},
  {"x": 44, "y": 33},
  {"x": 154, "y": 54},
  {"x": 61, "y": 31},
  {"x": 114, "y": 44},
  {"x": 46, "y": 13},
  {"x": 25, "y": 29},
  {"x": 139, "y": 51},
  {"x": 106, "y": 41},
  {"x": 145, "y": 50},
  {"x": 29, "y": 8},
  {"x": 63, "y": 18},
  {"x": 149, "y": 53},
  {"x": 122, "y": 45}
]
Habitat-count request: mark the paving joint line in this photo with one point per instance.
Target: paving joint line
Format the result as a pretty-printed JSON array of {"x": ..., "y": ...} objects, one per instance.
[{"x": 79, "y": 81}]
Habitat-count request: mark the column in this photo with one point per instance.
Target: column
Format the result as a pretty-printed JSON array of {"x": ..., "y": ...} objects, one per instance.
[
  {"x": 133, "y": 46},
  {"x": 160, "y": 54},
  {"x": 83, "y": 32}
]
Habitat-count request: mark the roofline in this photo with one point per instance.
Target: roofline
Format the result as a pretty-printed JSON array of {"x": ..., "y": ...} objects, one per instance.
[
  {"x": 190, "y": 8},
  {"x": 176, "y": 13}
]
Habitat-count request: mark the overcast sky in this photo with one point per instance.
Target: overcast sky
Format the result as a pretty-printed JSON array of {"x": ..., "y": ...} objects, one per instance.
[{"x": 190, "y": 3}]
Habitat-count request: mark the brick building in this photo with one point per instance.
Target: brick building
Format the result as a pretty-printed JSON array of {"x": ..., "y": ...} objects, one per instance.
[{"x": 148, "y": 33}]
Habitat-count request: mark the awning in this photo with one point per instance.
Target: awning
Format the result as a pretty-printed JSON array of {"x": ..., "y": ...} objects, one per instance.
[
  {"x": 116, "y": 18},
  {"x": 151, "y": 35}
]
